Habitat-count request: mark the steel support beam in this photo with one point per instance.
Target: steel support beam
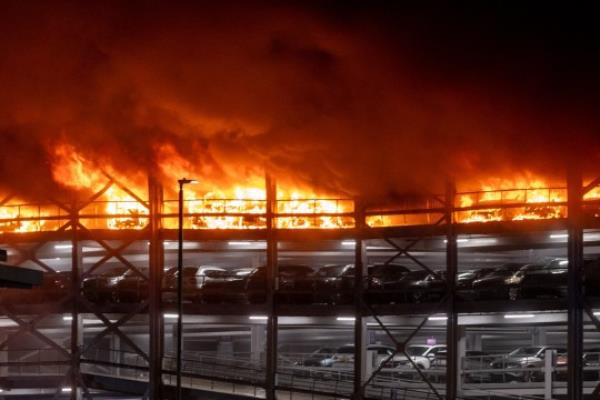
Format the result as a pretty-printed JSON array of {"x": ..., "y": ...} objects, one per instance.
[
  {"x": 452, "y": 334},
  {"x": 75, "y": 323},
  {"x": 155, "y": 278},
  {"x": 360, "y": 271},
  {"x": 575, "y": 287},
  {"x": 271, "y": 287}
]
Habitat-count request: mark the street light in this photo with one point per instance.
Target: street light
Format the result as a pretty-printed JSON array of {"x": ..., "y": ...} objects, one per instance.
[{"x": 182, "y": 182}]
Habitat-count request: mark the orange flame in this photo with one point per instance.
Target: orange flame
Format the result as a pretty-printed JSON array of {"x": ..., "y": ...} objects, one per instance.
[{"x": 520, "y": 199}]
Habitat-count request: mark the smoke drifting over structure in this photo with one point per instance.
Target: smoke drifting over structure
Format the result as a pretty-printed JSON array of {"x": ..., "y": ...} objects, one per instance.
[{"x": 345, "y": 97}]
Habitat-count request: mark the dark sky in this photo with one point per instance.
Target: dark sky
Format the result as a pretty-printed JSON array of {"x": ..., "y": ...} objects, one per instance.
[{"x": 374, "y": 98}]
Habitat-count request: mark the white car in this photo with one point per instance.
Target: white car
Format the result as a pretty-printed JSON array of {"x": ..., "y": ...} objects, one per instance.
[
  {"x": 421, "y": 355},
  {"x": 344, "y": 356}
]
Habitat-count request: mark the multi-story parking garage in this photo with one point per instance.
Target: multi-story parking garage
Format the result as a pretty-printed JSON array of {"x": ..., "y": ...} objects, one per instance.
[{"x": 435, "y": 298}]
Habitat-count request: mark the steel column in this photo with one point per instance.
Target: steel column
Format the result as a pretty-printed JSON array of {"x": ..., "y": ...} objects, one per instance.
[
  {"x": 360, "y": 267},
  {"x": 155, "y": 265},
  {"x": 179, "y": 293},
  {"x": 271, "y": 288},
  {"x": 75, "y": 334},
  {"x": 575, "y": 287},
  {"x": 452, "y": 334}
]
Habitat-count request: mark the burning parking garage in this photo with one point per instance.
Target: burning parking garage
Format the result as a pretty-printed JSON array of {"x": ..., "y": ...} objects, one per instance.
[{"x": 288, "y": 199}]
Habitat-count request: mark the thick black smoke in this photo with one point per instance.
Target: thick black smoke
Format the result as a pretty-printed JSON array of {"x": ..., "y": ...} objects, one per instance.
[{"x": 360, "y": 98}]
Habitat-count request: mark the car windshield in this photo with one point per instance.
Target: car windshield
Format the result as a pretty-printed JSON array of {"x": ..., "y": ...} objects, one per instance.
[
  {"x": 501, "y": 272},
  {"x": 466, "y": 275},
  {"x": 331, "y": 271},
  {"x": 557, "y": 264},
  {"x": 525, "y": 351},
  {"x": 296, "y": 270},
  {"x": 215, "y": 273},
  {"x": 387, "y": 270},
  {"x": 416, "y": 350}
]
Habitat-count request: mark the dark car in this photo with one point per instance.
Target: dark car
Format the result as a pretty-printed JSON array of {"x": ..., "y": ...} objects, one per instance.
[
  {"x": 100, "y": 288},
  {"x": 227, "y": 288},
  {"x": 385, "y": 283},
  {"x": 591, "y": 366},
  {"x": 295, "y": 280},
  {"x": 54, "y": 287},
  {"x": 194, "y": 279},
  {"x": 535, "y": 281},
  {"x": 335, "y": 284},
  {"x": 433, "y": 287},
  {"x": 131, "y": 287},
  {"x": 297, "y": 284},
  {"x": 494, "y": 286},
  {"x": 250, "y": 286},
  {"x": 465, "y": 279}
]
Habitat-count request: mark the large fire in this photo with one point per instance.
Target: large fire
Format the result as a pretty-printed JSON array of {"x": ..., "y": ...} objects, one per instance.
[
  {"x": 118, "y": 202},
  {"x": 512, "y": 200}
]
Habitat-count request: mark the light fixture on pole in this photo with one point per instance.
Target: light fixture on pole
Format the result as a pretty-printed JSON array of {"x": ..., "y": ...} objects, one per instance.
[{"x": 181, "y": 182}]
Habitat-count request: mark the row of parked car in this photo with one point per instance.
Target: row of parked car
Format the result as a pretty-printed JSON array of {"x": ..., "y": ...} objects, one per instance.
[
  {"x": 334, "y": 284},
  {"x": 523, "y": 364},
  {"x": 330, "y": 284}
]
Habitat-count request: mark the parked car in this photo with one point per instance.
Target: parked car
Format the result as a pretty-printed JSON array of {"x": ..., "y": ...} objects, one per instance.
[
  {"x": 402, "y": 290},
  {"x": 433, "y": 287},
  {"x": 534, "y": 281},
  {"x": 465, "y": 279},
  {"x": 243, "y": 286},
  {"x": 384, "y": 284},
  {"x": 591, "y": 366},
  {"x": 194, "y": 278},
  {"x": 318, "y": 358},
  {"x": 131, "y": 287},
  {"x": 100, "y": 288},
  {"x": 423, "y": 356},
  {"x": 344, "y": 356},
  {"x": 493, "y": 286},
  {"x": 334, "y": 284},
  {"x": 522, "y": 364},
  {"x": 290, "y": 277},
  {"x": 297, "y": 284},
  {"x": 54, "y": 287},
  {"x": 228, "y": 288}
]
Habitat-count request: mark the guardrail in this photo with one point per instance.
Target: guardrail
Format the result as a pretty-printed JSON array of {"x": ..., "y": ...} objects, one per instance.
[{"x": 244, "y": 374}]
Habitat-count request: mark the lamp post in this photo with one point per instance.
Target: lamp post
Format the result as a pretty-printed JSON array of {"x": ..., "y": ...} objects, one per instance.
[{"x": 181, "y": 182}]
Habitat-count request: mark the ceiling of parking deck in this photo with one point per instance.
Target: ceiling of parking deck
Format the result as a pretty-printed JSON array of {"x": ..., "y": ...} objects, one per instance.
[{"x": 474, "y": 251}]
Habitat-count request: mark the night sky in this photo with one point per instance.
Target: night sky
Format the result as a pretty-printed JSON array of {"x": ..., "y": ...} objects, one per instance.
[{"x": 354, "y": 97}]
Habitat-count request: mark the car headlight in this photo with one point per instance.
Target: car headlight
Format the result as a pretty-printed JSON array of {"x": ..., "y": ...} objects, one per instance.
[{"x": 513, "y": 280}]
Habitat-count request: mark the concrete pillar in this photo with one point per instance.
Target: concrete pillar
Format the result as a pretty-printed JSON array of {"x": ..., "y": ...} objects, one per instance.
[
  {"x": 474, "y": 341},
  {"x": 115, "y": 353},
  {"x": 362, "y": 347},
  {"x": 225, "y": 348},
  {"x": 461, "y": 353},
  {"x": 258, "y": 336},
  {"x": 3, "y": 355},
  {"x": 538, "y": 336}
]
